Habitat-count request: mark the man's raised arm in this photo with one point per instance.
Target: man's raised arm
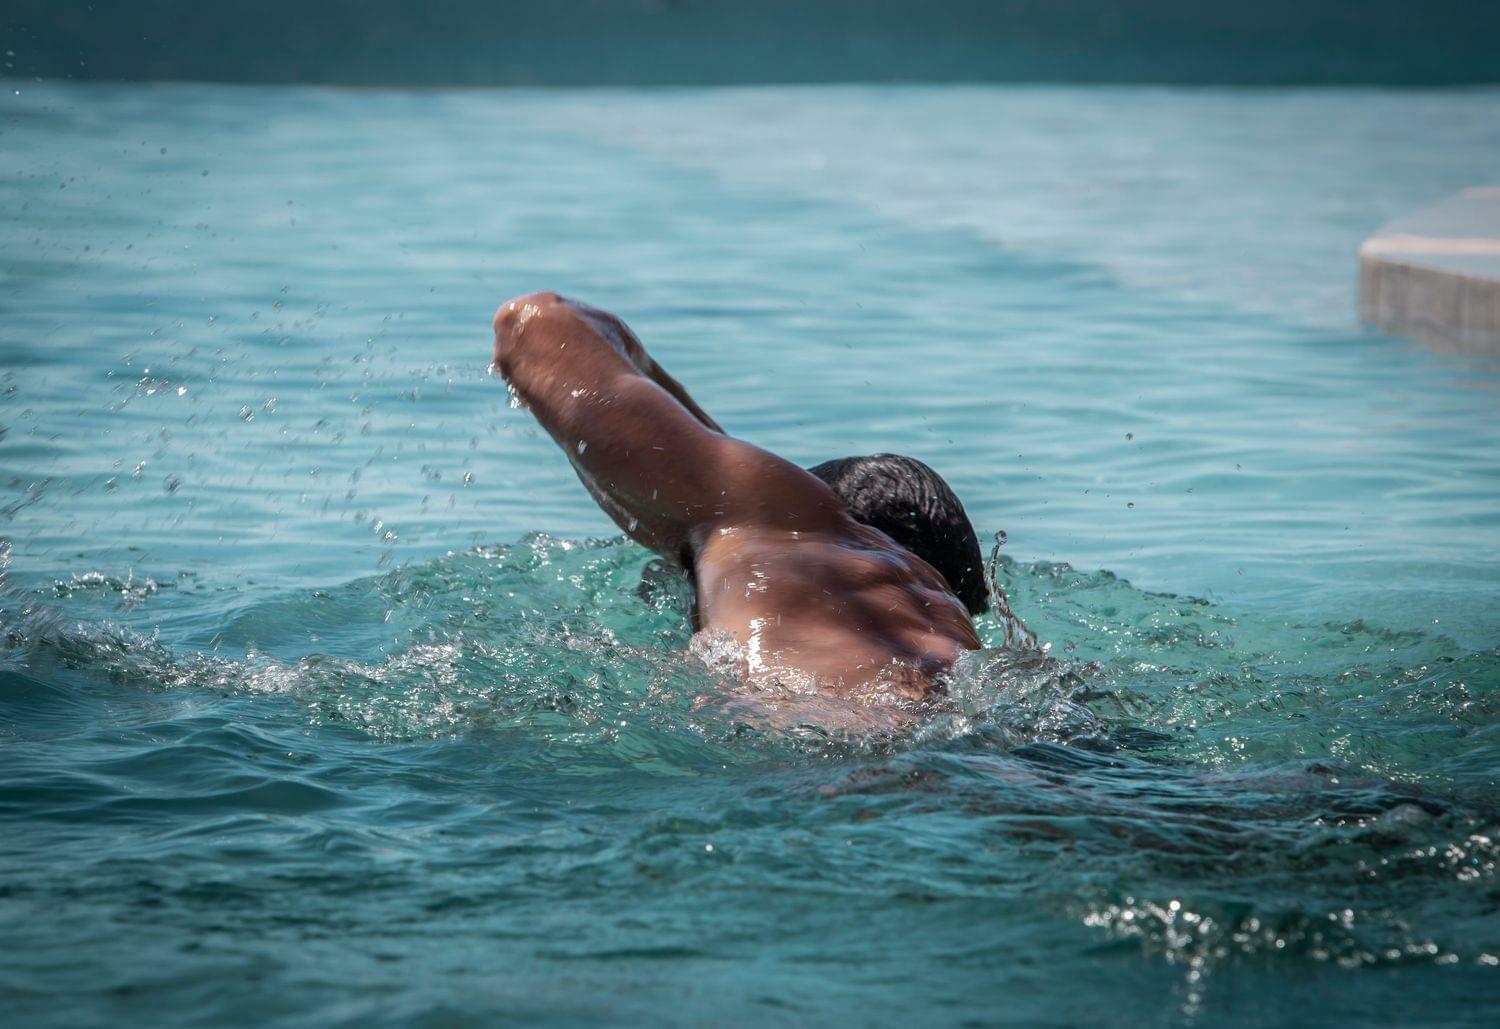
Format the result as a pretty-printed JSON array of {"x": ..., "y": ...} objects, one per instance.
[{"x": 653, "y": 460}]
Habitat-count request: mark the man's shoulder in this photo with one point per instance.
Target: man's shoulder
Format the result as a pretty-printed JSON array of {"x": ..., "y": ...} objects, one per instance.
[{"x": 846, "y": 554}]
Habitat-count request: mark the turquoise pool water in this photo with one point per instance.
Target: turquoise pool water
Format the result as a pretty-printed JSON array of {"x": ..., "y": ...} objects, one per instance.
[{"x": 326, "y": 695}]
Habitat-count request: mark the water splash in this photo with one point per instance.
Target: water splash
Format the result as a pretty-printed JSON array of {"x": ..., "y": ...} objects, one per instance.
[{"x": 1016, "y": 635}]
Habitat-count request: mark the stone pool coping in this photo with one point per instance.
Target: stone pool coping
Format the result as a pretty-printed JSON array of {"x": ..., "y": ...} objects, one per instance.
[{"x": 1435, "y": 274}]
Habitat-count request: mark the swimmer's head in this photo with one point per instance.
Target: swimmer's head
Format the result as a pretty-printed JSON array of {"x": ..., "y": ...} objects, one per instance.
[{"x": 910, "y": 503}]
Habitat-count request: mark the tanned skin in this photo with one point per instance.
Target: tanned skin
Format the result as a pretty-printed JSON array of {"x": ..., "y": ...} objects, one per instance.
[{"x": 779, "y": 564}]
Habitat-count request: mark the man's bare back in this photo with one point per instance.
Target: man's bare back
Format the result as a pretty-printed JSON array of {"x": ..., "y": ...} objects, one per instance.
[{"x": 780, "y": 566}]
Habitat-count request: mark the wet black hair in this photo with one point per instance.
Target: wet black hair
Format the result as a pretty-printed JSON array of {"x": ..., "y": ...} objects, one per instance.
[{"x": 910, "y": 503}]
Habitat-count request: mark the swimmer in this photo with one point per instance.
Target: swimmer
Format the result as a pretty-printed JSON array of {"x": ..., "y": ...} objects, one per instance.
[{"x": 824, "y": 579}]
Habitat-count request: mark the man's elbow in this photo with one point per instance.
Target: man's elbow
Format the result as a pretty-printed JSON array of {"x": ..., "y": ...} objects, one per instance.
[
  {"x": 509, "y": 321},
  {"x": 507, "y": 324}
]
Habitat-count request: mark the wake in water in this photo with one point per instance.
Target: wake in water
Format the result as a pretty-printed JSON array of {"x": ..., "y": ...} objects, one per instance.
[
  {"x": 547, "y": 630},
  {"x": 476, "y": 638}
]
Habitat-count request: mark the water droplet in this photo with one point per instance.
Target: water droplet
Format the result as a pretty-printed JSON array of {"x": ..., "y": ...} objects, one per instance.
[
  {"x": 468, "y": 478},
  {"x": 582, "y": 446},
  {"x": 1131, "y": 504},
  {"x": 246, "y": 414}
]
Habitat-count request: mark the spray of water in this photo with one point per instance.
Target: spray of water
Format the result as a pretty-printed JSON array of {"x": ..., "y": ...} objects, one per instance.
[{"x": 1017, "y": 635}]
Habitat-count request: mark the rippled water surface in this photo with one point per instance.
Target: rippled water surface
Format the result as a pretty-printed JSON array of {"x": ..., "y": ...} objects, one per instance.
[{"x": 326, "y": 695}]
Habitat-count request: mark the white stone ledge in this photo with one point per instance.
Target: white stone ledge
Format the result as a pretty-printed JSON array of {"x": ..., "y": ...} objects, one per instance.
[{"x": 1435, "y": 274}]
